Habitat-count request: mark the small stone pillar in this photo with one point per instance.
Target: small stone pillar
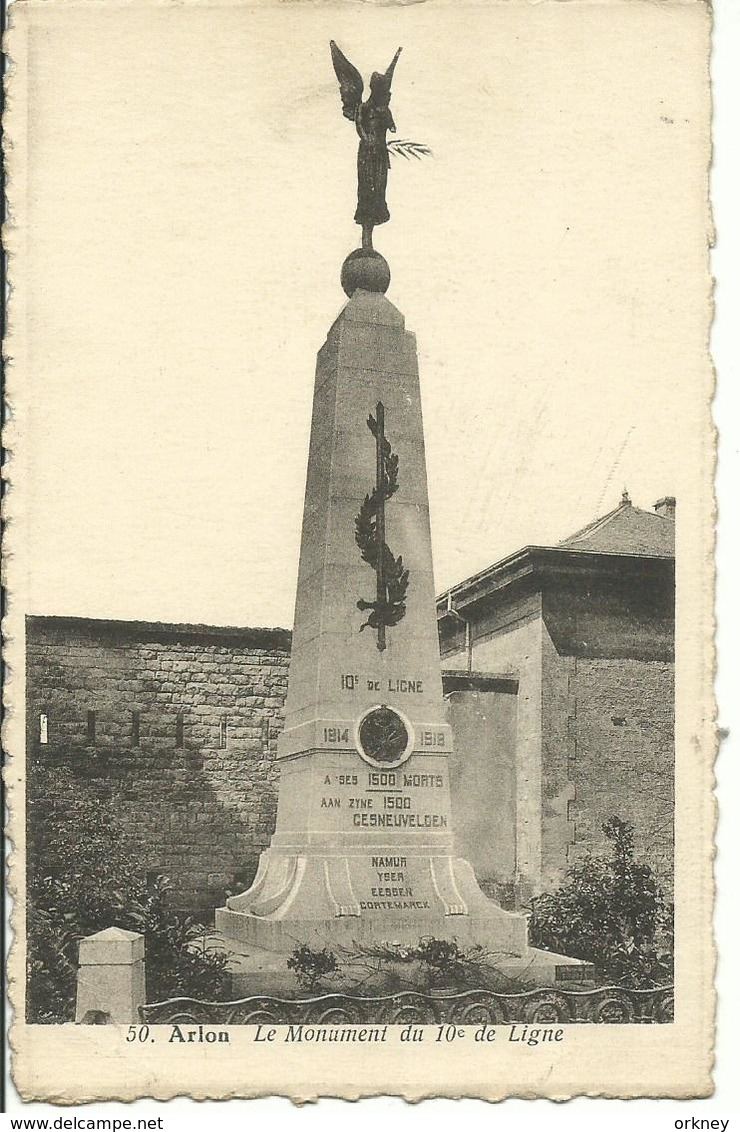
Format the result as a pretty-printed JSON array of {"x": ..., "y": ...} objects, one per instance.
[{"x": 110, "y": 977}]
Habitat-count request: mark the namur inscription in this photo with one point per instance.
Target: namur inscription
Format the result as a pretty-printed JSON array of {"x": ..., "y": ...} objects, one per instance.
[{"x": 364, "y": 845}]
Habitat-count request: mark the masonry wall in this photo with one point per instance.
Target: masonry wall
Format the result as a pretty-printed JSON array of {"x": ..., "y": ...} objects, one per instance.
[
  {"x": 593, "y": 656},
  {"x": 182, "y": 739},
  {"x": 483, "y": 782},
  {"x": 608, "y": 718},
  {"x": 197, "y": 786},
  {"x": 507, "y": 638},
  {"x": 624, "y": 756}
]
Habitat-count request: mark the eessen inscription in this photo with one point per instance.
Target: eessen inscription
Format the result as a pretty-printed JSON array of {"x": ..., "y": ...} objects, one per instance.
[{"x": 391, "y": 890}]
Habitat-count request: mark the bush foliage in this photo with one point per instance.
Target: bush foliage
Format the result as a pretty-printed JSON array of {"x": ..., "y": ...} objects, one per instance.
[
  {"x": 85, "y": 874},
  {"x": 431, "y": 964},
  {"x": 612, "y": 913},
  {"x": 312, "y": 968}
]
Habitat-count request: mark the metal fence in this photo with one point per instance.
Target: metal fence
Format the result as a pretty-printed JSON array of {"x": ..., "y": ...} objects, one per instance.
[{"x": 611, "y": 1005}]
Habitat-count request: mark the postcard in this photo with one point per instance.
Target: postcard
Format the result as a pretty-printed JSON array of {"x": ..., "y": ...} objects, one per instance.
[{"x": 360, "y": 549}]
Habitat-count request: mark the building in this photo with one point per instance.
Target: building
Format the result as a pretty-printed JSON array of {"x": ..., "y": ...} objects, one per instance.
[
  {"x": 558, "y": 673},
  {"x": 586, "y": 629}
]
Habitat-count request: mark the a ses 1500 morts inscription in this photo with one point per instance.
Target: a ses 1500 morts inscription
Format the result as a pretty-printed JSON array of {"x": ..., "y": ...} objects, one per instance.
[{"x": 396, "y": 800}]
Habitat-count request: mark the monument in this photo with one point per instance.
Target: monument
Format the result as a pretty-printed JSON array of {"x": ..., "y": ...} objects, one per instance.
[{"x": 364, "y": 848}]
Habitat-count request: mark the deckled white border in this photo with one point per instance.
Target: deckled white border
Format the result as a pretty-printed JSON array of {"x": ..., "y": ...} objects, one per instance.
[{"x": 89, "y": 1041}]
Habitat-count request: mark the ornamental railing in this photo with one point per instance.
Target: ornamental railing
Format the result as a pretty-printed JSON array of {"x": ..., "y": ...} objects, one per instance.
[{"x": 604, "y": 1005}]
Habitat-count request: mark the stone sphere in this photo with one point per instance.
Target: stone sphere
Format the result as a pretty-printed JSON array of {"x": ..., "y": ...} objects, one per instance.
[{"x": 365, "y": 270}]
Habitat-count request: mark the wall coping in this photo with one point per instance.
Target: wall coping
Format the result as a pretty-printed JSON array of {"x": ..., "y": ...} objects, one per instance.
[
  {"x": 460, "y": 680},
  {"x": 157, "y": 631}
]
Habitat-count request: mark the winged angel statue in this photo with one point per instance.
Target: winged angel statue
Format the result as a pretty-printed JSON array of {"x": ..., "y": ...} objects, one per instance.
[{"x": 372, "y": 120}]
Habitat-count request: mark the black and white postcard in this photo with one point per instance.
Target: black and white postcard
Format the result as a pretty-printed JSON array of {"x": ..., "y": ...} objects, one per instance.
[{"x": 360, "y": 549}]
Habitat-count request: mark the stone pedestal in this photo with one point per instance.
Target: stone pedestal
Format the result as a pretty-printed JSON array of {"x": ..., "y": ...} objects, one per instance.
[
  {"x": 364, "y": 847},
  {"x": 110, "y": 978}
]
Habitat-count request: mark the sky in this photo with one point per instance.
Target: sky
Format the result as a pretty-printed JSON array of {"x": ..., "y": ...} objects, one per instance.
[{"x": 189, "y": 203}]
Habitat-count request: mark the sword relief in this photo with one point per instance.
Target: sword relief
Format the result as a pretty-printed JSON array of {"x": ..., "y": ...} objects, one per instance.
[{"x": 391, "y": 576}]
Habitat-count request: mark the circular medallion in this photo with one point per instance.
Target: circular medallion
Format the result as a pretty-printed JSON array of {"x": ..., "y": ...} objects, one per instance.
[{"x": 384, "y": 737}]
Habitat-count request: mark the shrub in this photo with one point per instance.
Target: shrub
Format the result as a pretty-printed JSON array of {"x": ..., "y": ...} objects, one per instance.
[
  {"x": 178, "y": 960},
  {"x": 435, "y": 964},
  {"x": 311, "y": 967},
  {"x": 84, "y": 874},
  {"x": 51, "y": 962},
  {"x": 431, "y": 964},
  {"x": 610, "y": 912}
]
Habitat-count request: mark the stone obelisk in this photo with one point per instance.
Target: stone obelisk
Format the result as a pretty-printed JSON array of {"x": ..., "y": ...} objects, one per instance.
[
  {"x": 364, "y": 846},
  {"x": 363, "y": 849}
]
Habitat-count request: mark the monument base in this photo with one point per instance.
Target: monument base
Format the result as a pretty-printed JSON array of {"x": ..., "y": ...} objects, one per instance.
[
  {"x": 258, "y": 970},
  {"x": 353, "y": 900},
  {"x": 315, "y": 904}
]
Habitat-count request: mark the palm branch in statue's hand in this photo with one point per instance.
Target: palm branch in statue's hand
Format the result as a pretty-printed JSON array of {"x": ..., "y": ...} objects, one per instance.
[{"x": 408, "y": 149}]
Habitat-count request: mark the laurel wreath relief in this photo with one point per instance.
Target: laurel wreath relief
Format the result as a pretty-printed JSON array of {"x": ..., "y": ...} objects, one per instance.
[{"x": 392, "y": 576}]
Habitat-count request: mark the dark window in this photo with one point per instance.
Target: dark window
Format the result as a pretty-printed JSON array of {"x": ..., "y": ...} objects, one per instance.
[
  {"x": 179, "y": 730},
  {"x": 135, "y": 728},
  {"x": 91, "y": 727},
  {"x": 223, "y": 731}
]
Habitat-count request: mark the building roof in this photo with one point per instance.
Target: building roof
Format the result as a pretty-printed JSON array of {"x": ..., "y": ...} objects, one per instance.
[
  {"x": 625, "y": 539},
  {"x": 627, "y": 530}
]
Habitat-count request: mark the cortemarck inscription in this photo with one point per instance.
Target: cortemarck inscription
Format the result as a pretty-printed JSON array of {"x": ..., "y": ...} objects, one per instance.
[{"x": 393, "y": 881}]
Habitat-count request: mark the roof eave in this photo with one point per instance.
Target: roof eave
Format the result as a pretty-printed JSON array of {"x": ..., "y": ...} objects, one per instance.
[{"x": 536, "y": 562}]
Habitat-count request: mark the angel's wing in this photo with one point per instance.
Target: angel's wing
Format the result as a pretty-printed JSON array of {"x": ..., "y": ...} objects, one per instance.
[{"x": 350, "y": 82}]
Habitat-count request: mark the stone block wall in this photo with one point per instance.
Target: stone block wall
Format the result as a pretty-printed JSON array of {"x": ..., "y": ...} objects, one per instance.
[
  {"x": 608, "y": 751},
  {"x": 608, "y": 719},
  {"x": 623, "y": 733},
  {"x": 175, "y": 727}
]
